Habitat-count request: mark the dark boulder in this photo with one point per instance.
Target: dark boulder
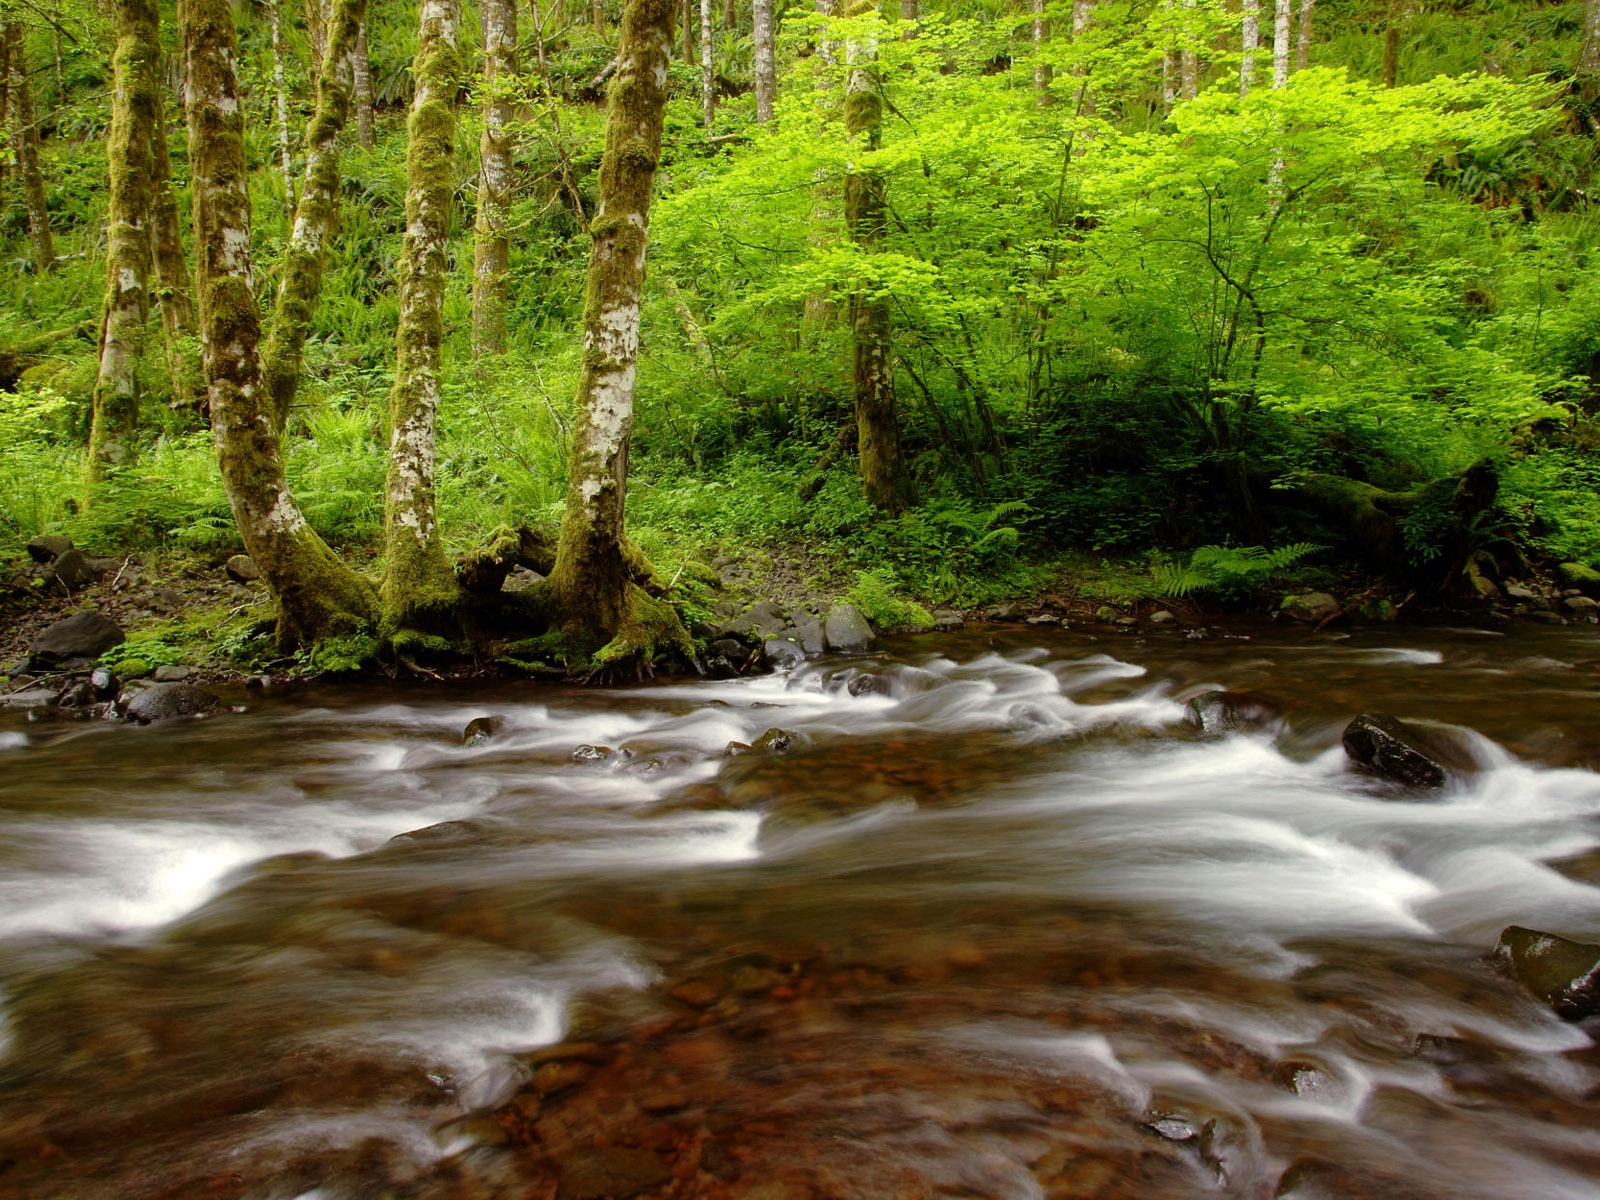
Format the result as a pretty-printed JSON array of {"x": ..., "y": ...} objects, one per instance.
[
  {"x": 162, "y": 701},
  {"x": 1564, "y": 974},
  {"x": 783, "y": 653},
  {"x": 846, "y": 630},
  {"x": 481, "y": 729},
  {"x": 869, "y": 685},
  {"x": 105, "y": 684},
  {"x": 588, "y": 753},
  {"x": 84, "y": 635},
  {"x": 718, "y": 667},
  {"x": 77, "y": 694},
  {"x": 48, "y": 547},
  {"x": 730, "y": 648},
  {"x": 808, "y": 631},
  {"x": 764, "y": 619},
  {"x": 1389, "y": 747},
  {"x": 776, "y": 741},
  {"x": 1222, "y": 712},
  {"x": 73, "y": 571}
]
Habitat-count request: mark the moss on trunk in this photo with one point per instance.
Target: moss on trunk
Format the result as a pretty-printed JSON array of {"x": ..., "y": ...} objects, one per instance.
[
  {"x": 419, "y": 586},
  {"x": 25, "y": 139},
  {"x": 492, "y": 252}
]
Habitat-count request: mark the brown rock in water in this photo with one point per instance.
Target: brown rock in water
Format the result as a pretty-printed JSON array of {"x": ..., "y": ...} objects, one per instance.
[
  {"x": 610, "y": 1171},
  {"x": 1219, "y": 712},
  {"x": 1390, "y": 747},
  {"x": 161, "y": 701},
  {"x": 1564, "y": 974}
]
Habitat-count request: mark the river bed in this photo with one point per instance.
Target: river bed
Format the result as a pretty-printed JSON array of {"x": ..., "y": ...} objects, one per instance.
[{"x": 995, "y": 923}]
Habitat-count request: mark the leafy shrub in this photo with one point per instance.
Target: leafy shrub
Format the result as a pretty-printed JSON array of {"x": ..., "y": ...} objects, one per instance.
[
  {"x": 875, "y": 595},
  {"x": 1228, "y": 571}
]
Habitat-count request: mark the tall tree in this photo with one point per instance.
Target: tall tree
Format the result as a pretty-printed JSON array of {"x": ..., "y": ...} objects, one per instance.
[
  {"x": 1589, "y": 57},
  {"x": 419, "y": 584},
  {"x": 597, "y": 574},
  {"x": 766, "y": 70},
  {"x": 1043, "y": 72},
  {"x": 361, "y": 81},
  {"x": 883, "y": 477},
  {"x": 1189, "y": 79},
  {"x": 708, "y": 78},
  {"x": 317, "y": 27},
  {"x": 115, "y": 407},
  {"x": 1249, "y": 43},
  {"x": 1082, "y": 18},
  {"x": 491, "y": 260},
  {"x": 172, "y": 268},
  {"x": 5, "y": 96},
  {"x": 25, "y": 140},
  {"x": 280, "y": 90},
  {"x": 1302, "y": 55},
  {"x": 317, "y": 594},
  {"x": 1280, "y": 44}
]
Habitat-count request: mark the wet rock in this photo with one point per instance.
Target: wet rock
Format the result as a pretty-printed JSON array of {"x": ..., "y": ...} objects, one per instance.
[
  {"x": 258, "y": 683},
  {"x": 78, "y": 694},
  {"x": 1162, "y": 617},
  {"x": 1044, "y": 619},
  {"x": 847, "y": 630},
  {"x": 947, "y": 619},
  {"x": 735, "y": 749},
  {"x": 1578, "y": 575},
  {"x": 84, "y": 635},
  {"x": 1220, "y": 712},
  {"x": 1520, "y": 591},
  {"x": 1563, "y": 973},
  {"x": 163, "y": 701},
  {"x": 520, "y": 580},
  {"x": 718, "y": 667},
  {"x": 1127, "y": 622},
  {"x": 783, "y": 653},
  {"x": 48, "y": 547},
  {"x": 1545, "y": 617},
  {"x": 481, "y": 729},
  {"x": 30, "y": 698},
  {"x": 241, "y": 568},
  {"x": 776, "y": 741},
  {"x": 169, "y": 673},
  {"x": 1390, "y": 747},
  {"x": 105, "y": 684},
  {"x": 444, "y": 833},
  {"x": 869, "y": 685},
  {"x": 729, "y": 648},
  {"x": 1309, "y": 606},
  {"x": 1105, "y": 614},
  {"x": 1378, "y": 612},
  {"x": 1003, "y": 612},
  {"x": 763, "y": 620},
  {"x": 1583, "y": 606},
  {"x": 73, "y": 571},
  {"x": 588, "y": 753},
  {"x": 808, "y": 631},
  {"x": 610, "y": 1171},
  {"x": 1173, "y": 1129}
]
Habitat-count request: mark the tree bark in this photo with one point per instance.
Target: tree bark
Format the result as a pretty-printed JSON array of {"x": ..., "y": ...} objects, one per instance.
[
  {"x": 115, "y": 415},
  {"x": 419, "y": 585},
  {"x": 883, "y": 477},
  {"x": 708, "y": 78},
  {"x": 316, "y": 216},
  {"x": 25, "y": 139},
  {"x": 172, "y": 267},
  {"x": 1391, "y": 42},
  {"x": 1302, "y": 56},
  {"x": 5, "y": 96},
  {"x": 281, "y": 93},
  {"x": 361, "y": 81},
  {"x": 765, "y": 60},
  {"x": 317, "y": 28},
  {"x": 686, "y": 30},
  {"x": 599, "y": 13},
  {"x": 317, "y": 595},
  {"x": 819, "y": 309},
  {"x": 1189, "y": 85},
  {"x": 1280, "y": 45},
  {"x": 1082, "y": 18},
  {"x": 491, "y": 260},
  {"x": 538, "y": 40},
  {"x": 1043, "y": 72},
  {"x": 597, "y": 570},
  {"x": 1171, "y": 70},
  {"x": 730, "y": 16},
  {"x": 1249, "y": 43}
]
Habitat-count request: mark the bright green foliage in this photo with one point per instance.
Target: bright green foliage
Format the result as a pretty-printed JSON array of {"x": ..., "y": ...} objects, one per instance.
[
  {"x": 1228, "y": 571},
  {"x": 881, "y": 603}
]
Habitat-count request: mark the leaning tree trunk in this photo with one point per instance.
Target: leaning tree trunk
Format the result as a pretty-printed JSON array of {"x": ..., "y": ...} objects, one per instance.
[
  {"x": 1249, "y": 43},
  {"x": 25, "y": 137},
  {"x": 597, "y": 570},
  {"x": 765, "y": 59},
  {"x": 316, "y": 216},
  {"x": 419, "y": 585},
  {"x": 491, "y": 260},
  {"x": 317, "y": 595},
  {"x": 128, "y": 248},
  {"x": 361, "y": 81},
  {"x": 883, "y": 478}
]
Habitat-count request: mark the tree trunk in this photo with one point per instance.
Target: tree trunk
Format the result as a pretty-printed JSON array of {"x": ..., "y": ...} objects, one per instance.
[
  {"x": 908, "y": 11},
  {"x": 317, "y": 595},
  {"x": 1302, "y": 56},
  {"x": 491, "y": 260},
  {"x": 730, "y": 16},
  {"x": 128, "y": 249},
  {"x": 315, "y": 217},
  {"x": 317, "y": 28},
  {"x": 1280, "y": 45},
  {"x": 1082, "y": 18},
  {"x": 281, "y": 92},
  {"x": 419, "y": 585},
  {"x": 686, "y": 31},
  {"x": 708, "y": 78},
  {"x": 765, "y": 61},
  {"x": 5, "y": 97},
  {"x": 1391, "y": 41},
  {"x": 25, "y": 138},
  {"x": 1189, "y": 85},
  {"x": 1589, "y": 57},
  {"x": 883, "y": 477},
  {"x": 1171, "y": 70},
  {"x": 597, "y": 570},
  {"x": 1043, "y": 72},
  {"x": 819, "y": 309},
  {"x": 538, "y": 40},
  {"x": 171, "y": 265},
  {"x": 599, "y": 18},
  {"x": 1250, "y": 42},
  {"x": 361, "y": 81}
]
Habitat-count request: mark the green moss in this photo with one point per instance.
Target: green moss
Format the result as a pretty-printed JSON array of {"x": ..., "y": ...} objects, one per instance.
[
  {"x": 650, "y": 632},
  {"x": 342, "y": 654}
]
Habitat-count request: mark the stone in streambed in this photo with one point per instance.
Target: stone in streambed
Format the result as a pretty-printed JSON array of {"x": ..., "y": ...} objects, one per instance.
[
  {"x": 846, "y": 630},
  {"x": 1563, "y": 973},
  {"x": 72, "y": 571},
  {"x": 1574, "y": 574},
  {"x": 947, "y": 620},
  {"x": 809, "y": 632},
  {"x": 782, "y": 653},
  {"x": 1309, "y": 606},
  {"x": 1220, "y": 712},
  {"x": 610, "y": 1171},
  {"x": 1389, "y": 747},
  {"x": 730, "y": 648},
  {"x": 588, "y": 753},
  {"x": 169, "y": 673},
  {"x": 763, "y": 620},
  {"x": 776, "y": 741},
  {"x": 83, "y": 635},
  {"x": 162, "y": 701},
  {"x": 481, "y": 729}
]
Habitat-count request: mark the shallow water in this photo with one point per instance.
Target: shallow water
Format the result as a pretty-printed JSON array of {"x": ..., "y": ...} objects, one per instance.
[{"x": 999, "y": 924}]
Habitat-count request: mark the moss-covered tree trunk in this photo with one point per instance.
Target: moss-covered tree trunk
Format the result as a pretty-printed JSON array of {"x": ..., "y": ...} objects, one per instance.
[
  {"x": 361, "y": 80},
  {"x": 491, "y": 258},
  {"x": 596, "y": 568},
  {"x": 316, "y": 216},
  {"x": 419, "y": 586},
  {"x": 5, "y": 98},
  {"x": 883, "y": 476},
  {"x": 129, "y": 157},
  {"x": 766, "y": 69},
  {"x": 280, "y": 91},
  {"x": 317, "y": 594},
  {"x": 171, "y": 263},
  {"x": 25, "y": 140}
]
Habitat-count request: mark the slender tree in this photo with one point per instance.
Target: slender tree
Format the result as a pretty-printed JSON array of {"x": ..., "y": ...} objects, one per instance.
[
  {"x": 172, "y": 267},
  {"x": 317, "y": 595},
  {"x": 708, "y": 78},
  {"x": 1280, "y": 44},
  {"x": 597, "y": 573},
  {"x": 599, "y": 14},
  {"x": 419, "y": 585},
  {"x": 1589, "y": 57},
  {"x": 115, "y": 411},
  {"x": 491, "y": 260},
  {"x": 819, "y": 309},
  {"x": 281, "y": 93},
  {"x": 1249, "y": 43},
  {"x": 361, "y": 80},
  {"x": 1189, "y": 77},
  {"x": 686, "y": 18},
  {"x": 5, "y": 95},
  {"x": 1043, "y": 72},
  {"x": 317, "y": 27},
  {"x": 1082, "y": 18},
  {"x": 765, "y": 60},
  {"x": 1171, "y": 72},
  {"x": 730, "y": 15},
  {"x": 1302, "y": 56},
  {"x": 883, "y": 477},
  {"x": 25, "y": 140}
]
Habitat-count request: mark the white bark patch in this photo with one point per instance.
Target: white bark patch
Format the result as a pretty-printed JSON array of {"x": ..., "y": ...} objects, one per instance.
[
  {"x": 128, "y": 280},
  {"x": 235, "y": 256},
  {"x": 283, "y": 517},
  {"x": 616, "y": 333}
]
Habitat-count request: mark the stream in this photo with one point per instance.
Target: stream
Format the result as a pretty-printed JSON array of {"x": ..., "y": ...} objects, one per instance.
[{"x": 995, "y": 923}]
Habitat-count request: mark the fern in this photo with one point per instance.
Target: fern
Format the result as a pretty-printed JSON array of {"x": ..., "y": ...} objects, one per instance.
[{"x": 1226, "y": 570}]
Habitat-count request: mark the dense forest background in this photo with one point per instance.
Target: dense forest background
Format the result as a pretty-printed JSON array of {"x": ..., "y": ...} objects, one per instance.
[{"x": 1131, "y": 312}]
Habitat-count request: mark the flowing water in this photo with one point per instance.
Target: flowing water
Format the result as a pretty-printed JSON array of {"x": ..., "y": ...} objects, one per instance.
[{"x": 997, "y": 924}]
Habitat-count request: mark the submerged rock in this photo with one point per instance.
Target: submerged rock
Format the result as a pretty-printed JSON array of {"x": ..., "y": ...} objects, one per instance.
[
  {"x": 1220, "y": 712},
  {"x": 481, "y": 729},
  {"x": 776, "y": 741},
  {"x": 1563, "y": 973},
  {"x": 846, "y": 630},
  {"x": 947, "y": 619},
  {"x": 588, "y": 753},
  {"x": 1391, "y": 748},
  {"x": 161, "y": 701},
  {"x": 610, "y": 1171},
  {"x": 83, "y": 635}
]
